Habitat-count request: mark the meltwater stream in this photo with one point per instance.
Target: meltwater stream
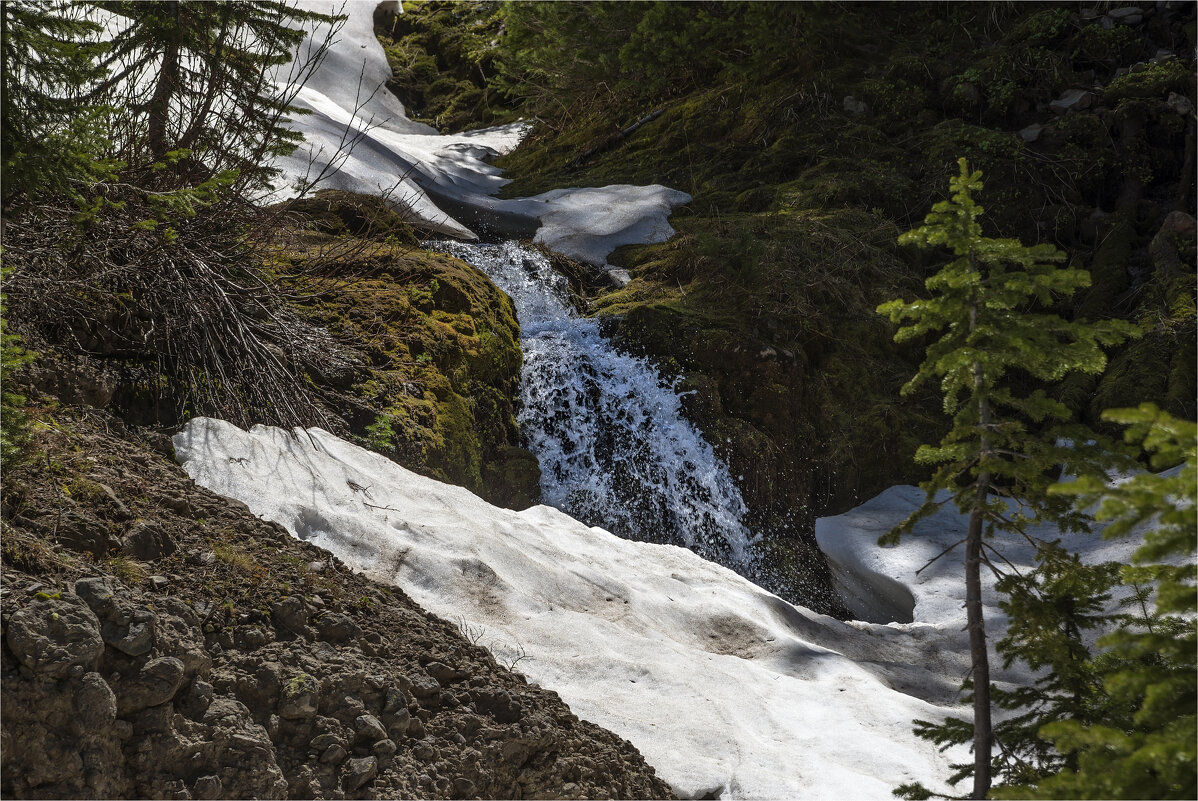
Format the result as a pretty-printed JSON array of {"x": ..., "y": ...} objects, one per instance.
[{"x": 613, "y": 446}]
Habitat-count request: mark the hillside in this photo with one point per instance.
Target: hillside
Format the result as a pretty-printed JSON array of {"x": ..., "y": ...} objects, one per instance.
[{"x": 658, "y": 317}]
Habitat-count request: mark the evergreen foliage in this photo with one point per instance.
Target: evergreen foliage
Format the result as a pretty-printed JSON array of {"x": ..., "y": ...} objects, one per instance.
[
  {"x": 994, "y": 338},
  {"x": 558, "y": 53},
  {"x": 198, "y": 79},
  {"x": 1144, "y": 745},
  {"x": 52, "y": 137},
  {"x": 130, "y": 171}
]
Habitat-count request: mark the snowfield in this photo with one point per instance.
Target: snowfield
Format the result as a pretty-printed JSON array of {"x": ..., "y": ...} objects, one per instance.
[
  {"x": 358, "y": 138},
  {"x": 724, "y": 688}
]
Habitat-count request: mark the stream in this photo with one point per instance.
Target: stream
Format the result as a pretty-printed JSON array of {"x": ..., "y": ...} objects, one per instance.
[{"x": 607, "y": 429}]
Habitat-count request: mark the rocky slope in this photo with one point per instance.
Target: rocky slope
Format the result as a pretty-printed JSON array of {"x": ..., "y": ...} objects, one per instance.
[{"x": 162, "y": 642}]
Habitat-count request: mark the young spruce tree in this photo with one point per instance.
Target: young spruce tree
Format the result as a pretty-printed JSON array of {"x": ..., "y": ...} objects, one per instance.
[
  {"x": 1145, "y": 742},
  {"x": 988, "y": 314}
]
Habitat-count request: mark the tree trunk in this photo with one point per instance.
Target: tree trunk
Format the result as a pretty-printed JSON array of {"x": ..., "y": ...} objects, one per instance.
[
  {"x": 978, "y": 656},
  {"x": 164, "y": 87}
]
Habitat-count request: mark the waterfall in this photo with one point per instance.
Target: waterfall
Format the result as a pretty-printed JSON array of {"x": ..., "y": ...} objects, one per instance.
[{"x": 608, "y": 431}]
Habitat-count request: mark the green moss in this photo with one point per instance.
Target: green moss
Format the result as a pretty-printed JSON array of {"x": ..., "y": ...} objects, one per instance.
[
  {"x": 1151, "y": 81},
  {"x": 441, "y": 352}
]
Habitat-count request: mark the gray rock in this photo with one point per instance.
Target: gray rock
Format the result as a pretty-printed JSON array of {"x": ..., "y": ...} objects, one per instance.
[
  {"x": 384, "y": 752},
  {"x": 855, "y": 107},
  {"x": 291, "y": 615},
  {"x": 394, "y": 700},
  {"x": 359, "y": 773},
  {"x": 619, "y": 278},
  {"x": 443, "y": 673},
  {"x": 335, "y": 754},
  {"x": 225, "y": 712},
  {"x": 52, "y": 635},
  {"x": 1072, "y": 100},
  {"x": 1128, "y": 15},
  {"x": 147, "y": 540},
  {"x": 95, "y": 703},
  {"x": 299, "y": 698},
  {"x": 322, "y": 741},
  {"x": 124, "y": 626},
  {"x": 337, "y": 627},
  {"x": 425, "y": 688},
  {"x": 369, "y": 729},
  {"x": 1180, "y": 103},
  {"x": 155, "y": 684},
  {"x": 416, "y": 729},
  {"x": 208, "y": 787},
  {"x": 1031, "y": 133}
]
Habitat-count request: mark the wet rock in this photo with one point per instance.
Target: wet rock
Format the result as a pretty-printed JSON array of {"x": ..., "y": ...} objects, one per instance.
[
  {"x": 155, "y": 684},
  {"x": 1180, "y": 103},
  {"x": 619, "y": 278},
  {"x": 1128, "y": 15},
  {"x": 52, "y": 635},
  {"x": 360, "y": 772},
  {"x": 147, "y": 540}
]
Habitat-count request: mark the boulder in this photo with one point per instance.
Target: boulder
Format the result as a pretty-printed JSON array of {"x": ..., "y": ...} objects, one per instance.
[
  {"x": 147, "y": 540},
  {"x": 54, "y": 634},
  {"x": 153, "y": 685},
  {"x": 360, "y": 772}
]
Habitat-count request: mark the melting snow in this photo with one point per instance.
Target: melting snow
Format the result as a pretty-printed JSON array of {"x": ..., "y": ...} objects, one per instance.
[
  {"x": 358, "y": 138},
  {"x": 722, "y": 686}
]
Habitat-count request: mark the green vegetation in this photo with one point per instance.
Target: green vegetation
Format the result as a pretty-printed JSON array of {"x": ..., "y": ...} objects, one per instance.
[{"x": 988, "y": 339}]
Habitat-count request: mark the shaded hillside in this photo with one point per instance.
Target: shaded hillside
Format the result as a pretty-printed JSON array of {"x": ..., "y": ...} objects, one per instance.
[{"x": 810, "y": 136}]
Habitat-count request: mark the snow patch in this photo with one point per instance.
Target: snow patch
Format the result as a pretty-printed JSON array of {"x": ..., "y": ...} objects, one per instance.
[
  {"x": 358, "y": 138},
  {"x": 723, "y": 687}
]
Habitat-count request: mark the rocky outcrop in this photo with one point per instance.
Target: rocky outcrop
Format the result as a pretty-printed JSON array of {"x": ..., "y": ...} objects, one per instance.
[{"x": 243, "y": 663}]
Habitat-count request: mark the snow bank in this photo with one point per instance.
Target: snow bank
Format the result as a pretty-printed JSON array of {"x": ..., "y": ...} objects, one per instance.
[
  {"x": 892, "y": 584},
  {"x": 724, "y": 688},
  {"x": 357, "y": 137}
]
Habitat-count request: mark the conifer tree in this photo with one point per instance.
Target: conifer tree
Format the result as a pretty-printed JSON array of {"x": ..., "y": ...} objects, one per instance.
[
  {"x": 988, "y": 309},
  {"x": 1144, "y": 744},
  {"x": 199, "y": 78},
  {"x": 50, "y": 139}
]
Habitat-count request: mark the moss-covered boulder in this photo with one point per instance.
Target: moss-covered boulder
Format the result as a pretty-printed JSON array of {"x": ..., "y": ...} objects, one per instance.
[{"x": 436, "y": 354}]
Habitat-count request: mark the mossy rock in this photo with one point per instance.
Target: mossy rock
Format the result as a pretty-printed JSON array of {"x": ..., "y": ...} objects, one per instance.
[{"x": 438, "y": 353}]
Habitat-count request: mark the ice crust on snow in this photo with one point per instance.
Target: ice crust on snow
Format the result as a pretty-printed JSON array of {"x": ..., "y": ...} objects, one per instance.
[
  {"x": 444, "y": 182},
  {"x": 723, "y": 687}
]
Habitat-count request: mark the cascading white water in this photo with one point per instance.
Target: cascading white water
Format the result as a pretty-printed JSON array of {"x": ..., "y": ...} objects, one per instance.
[{"x": 613, "y": 446}]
